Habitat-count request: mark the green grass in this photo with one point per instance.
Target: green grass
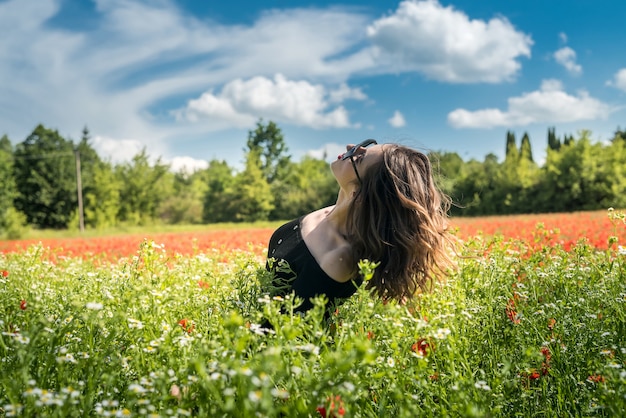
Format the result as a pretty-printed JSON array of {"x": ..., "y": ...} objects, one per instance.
[
  {"x": 145, "y": 229},
  {"x": 509, "y": 334}
]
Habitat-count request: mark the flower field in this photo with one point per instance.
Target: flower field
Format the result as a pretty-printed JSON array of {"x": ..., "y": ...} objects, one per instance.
[
  {"x": 532, "y": 323},
  {"x": 548, "y": 229}
]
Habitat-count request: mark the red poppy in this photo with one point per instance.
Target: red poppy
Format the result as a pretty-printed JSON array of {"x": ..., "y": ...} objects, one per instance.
[
  {"x": 203, "y": 284},
  {"x": 551, "y": 323},
  {"x": 5, "y": 273},
  {"x": 532, "y": 375},
  {"x": 370, "y": 335},
  {"x": 187, "y": 325},
  {"x": 511, "y": 313},
  {"x": 335, "y": 408},
  {"x": 422, "y": 347},
  {"x": 596, "y": 378},
  {"x": 23, "y": 304}
]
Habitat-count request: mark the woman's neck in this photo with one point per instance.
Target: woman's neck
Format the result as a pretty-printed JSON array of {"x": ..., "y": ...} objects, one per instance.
[{"x": 337, "y": 216}]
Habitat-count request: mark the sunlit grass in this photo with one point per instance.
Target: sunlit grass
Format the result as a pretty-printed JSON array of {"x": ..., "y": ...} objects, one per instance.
[{"x": 155, "y": 228}]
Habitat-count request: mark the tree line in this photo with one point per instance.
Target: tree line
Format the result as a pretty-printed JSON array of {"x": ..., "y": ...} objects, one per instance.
[{"x": 40, "y": 180}]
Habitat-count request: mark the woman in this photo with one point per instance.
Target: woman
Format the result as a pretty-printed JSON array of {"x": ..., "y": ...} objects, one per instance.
[{"x": 388, "y": 211}]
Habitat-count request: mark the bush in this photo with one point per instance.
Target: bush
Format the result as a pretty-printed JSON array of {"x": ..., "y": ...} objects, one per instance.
[{"x": 13, "y": 224}]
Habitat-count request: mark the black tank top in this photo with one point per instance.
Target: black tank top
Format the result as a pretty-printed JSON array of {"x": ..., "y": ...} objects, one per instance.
[{"x": 296, "y": 270}]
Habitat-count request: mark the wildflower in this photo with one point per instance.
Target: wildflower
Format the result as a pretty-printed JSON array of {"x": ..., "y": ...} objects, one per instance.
[
  {"x": 67, "y": 358},
  {"x": 545, "y": 366},
  {"x": 12, "y": 410},
  {"x": 23, "y": 304},
  {"x": 134, "y": 323},
  {"x": 94, "y": 306},
  {"x": 280, "y": 393},
  {"x": 203, "y": 284},
  {"x": 175, "y": 391},
  {"x": 370, "y": 335},
  {"x": 596, "y": 378},
  {"x": 532, "y": 375},
  {"x": 422, "y": 347},
  {"x": 442, "y": 333},
  {"x": 335, "y": 408},
  {"x": 254, "y": 396},
  {"x": 481, "y": 384},
  {"x": 608, "y": 353},
  {"x": 309, "y": 348},
  {"x": 259, "y": 330},
  {"x": 22, "y": 339},
  {"x": 5, "y": 273},
  {"x": 511, "y": 313},
  {"x": 551, "y": 323},
  {"x": 187, "y": 325},
  {"x": 136, "y": 388},
  {"x": 391, "y": 362}
]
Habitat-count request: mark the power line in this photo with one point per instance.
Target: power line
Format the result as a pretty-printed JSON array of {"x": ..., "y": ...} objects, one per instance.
[{"x": 43, "y": 156}]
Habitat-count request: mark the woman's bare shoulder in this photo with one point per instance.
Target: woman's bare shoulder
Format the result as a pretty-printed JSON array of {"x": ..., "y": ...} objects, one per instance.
[{"x": 339, "y": 264}]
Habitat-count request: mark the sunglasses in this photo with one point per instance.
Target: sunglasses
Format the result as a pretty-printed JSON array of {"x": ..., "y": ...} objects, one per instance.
[{"x": 350, "y": 154}]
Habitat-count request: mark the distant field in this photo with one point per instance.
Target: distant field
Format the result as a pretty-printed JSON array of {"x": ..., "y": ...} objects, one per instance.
[{"x": 564, "y": 229}]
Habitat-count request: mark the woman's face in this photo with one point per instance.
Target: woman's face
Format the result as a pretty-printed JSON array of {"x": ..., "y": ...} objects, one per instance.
[{"x": 344, "y": 170}]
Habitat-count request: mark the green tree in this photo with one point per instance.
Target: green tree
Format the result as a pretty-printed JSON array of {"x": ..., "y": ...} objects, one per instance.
[
  {"x": 8, "y": 191},
  {"x": 142, "y": 191},
  {"x": 12, "y": 222},
  {"x": 309, "y": 185},
  {"x": 511, "y": 151},
  {"x": 527, "y": 175},
  {"x": 220, "y": 179},
  {"x": 619, "y": 135},
  {"x": 185, "y": 203},
  {"x": 267, "y": 141},
  {"x": 526, "y": 152},
  {"x": 101, "y": 189},
  {"x": 554, "y": 143},
  {"x": 252, "y": 199},
  {"x": 580, "y": 176},
  {"x": 448, "y": 168},
  {"x": 480, "y": 190},
  {"x": 45, "y": 176}
]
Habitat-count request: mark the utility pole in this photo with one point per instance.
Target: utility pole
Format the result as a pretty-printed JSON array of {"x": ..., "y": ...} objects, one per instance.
[{"x": 79, "y": 188}]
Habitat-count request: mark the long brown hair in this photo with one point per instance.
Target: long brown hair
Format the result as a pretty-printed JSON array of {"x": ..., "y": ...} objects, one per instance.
[{"x": 399, "y": 219}]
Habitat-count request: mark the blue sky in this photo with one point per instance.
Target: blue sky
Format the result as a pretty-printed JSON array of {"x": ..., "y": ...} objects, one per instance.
[{"x": 188, "y": 79}]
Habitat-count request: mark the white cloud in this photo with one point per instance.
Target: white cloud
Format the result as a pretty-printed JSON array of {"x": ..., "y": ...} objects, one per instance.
[
  {"x": 119, "y": 77},
  {"x": 344, "y": 92},
  {"x": 619, "y": 80},
  {"x": 563, "y": 37},
  {"x": 328, "y": 152},
  {"x": 566, "y": 56},
  {"x": 187, "y": 164},
  {"x": 242, "y": 102},
  {"x": 549, "y": 104},
  {"x": 446, "y": 45},
  {"x": 139, "y": 60},
  {"x": 118, "y": 150},
  {"x": 397, "y": 120}
]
